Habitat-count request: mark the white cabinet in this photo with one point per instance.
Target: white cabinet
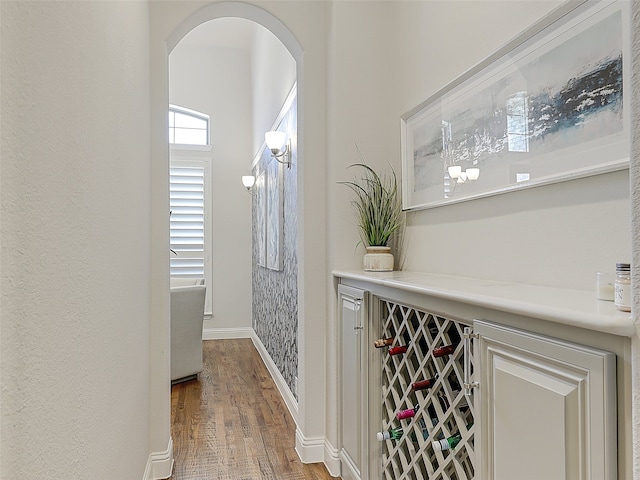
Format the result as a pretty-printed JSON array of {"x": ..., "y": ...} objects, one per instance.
[
  {"x": 353, "y": 383},
  {"x": 553, "y": 367},
  {"x": 547, "y": 407}
]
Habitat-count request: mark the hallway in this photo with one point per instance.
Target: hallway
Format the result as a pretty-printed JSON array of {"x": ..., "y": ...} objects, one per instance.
[{"x": 232, "y": 423}]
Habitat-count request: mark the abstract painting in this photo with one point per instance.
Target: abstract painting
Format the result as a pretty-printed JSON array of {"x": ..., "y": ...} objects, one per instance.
[
  {"x": 261, "y": 223},
  {"x": 275, "y": 212},
  {"x": 544, "y": 109}
]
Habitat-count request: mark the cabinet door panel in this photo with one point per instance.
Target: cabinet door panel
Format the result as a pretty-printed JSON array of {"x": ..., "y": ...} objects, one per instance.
[
  {"x": 350, "y": 378},
  {"x": 352, "y": 384},
  {"x": 522, "y": 397},
  {"x": 547, "y": 408}
]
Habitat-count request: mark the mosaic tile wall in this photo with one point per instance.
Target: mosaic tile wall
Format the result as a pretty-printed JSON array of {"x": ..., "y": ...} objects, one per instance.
[{"x": 275, "y": 293}]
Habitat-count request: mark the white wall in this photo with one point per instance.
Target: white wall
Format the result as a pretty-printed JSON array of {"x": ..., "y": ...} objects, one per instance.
[
  {"x": 217, "y": 81},
  {"x": 75, "y": 238},
  {"x": 361, "y": 79},
  {"x": 558, "y": 235},
  {"x": 273, "y": 73}
]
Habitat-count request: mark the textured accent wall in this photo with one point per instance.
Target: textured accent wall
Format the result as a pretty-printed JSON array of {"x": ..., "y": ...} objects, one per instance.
[{"x": 275, "y": 293}]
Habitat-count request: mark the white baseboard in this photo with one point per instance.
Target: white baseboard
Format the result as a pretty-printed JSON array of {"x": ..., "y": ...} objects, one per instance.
[
  {"x": 285, "y": 392},
  {"x": 159, "y": 464},
  {"x": 332, "y": 459},
  {"x": 310, "y": 450},
  {"x": 220, "y": 333}
]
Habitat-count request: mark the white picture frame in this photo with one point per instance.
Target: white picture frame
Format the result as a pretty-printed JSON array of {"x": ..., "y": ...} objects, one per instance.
[{"x": 507, "y": 118}]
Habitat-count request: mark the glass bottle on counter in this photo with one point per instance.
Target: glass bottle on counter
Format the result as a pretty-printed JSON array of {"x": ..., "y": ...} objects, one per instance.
[{"x": 622, "y": 288}]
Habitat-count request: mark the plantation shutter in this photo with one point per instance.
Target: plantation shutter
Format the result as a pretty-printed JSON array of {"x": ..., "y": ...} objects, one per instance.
[{"x": 186, "y": 200}]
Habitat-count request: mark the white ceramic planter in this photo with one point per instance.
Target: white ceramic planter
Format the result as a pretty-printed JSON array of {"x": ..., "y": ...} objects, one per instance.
[{"x": 378, "y": 259}]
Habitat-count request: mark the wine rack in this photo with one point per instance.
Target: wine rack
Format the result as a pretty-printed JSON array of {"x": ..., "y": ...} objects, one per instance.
[{"x": 444, "y": 408}]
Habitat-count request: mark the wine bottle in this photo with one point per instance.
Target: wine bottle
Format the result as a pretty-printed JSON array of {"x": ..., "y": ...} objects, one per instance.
[
  {"x": 443, "y": 351},
  {"x": 398, "y": 350},
  {"x": 396, "y": 433},
  {"x": 393, "y": 434},
  {"x": 422, "y": 384},
  {"x": 383, "y": 342},
  {"x": 410, "y": 412},
  {"x": 449, "y": 443},
  {"x": 446, "y": 443}
]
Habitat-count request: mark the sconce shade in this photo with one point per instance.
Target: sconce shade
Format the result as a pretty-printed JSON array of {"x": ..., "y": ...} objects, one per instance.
[
  {"x": 473, "y": 173},
  {"x": 275, "y": 140},
  {"x": 279, "y": 146},
  {"x": 248, "y": 180},
  {"x": 454, "y": 171}
]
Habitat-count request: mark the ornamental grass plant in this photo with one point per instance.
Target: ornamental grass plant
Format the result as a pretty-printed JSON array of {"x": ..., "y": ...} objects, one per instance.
[{"x": 377, "y": 204}]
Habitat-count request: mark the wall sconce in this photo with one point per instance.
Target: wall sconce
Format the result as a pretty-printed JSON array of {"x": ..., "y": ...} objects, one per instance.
[
  {"x": 276, "y": 141},
  {"x": 248, "y": 181}
]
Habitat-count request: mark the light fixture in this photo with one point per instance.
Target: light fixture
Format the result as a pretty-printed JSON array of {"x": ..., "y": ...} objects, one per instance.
[
  {"x": 454, "y": 171},
  {"x": 276, "y": 142},
  {"x": 473, "y": 173},
  {"x": 248, "y": 181}
]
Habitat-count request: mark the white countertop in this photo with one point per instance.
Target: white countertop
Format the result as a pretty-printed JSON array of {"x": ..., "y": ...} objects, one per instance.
[{"x": 579, "y": 308}]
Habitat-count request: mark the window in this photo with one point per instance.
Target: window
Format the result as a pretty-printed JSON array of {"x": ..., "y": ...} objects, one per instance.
[
  {"x": 188, "y": 127},
  {"x": 189, "y": 192},
  {"x": 187, "y": 225}
]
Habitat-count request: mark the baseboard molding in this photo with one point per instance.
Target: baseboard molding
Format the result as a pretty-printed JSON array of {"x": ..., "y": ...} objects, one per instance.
[
  {"x": 220, "y": 333},
  {"x": 310, "y": 450},
  {"x": 332, "y": 459},
  {"x": 159, "y": 464},
  {"x": 285, "y": 392}
]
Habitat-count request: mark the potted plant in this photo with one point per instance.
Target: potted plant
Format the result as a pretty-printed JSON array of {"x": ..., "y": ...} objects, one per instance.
[{"x": 378, "y": 207}]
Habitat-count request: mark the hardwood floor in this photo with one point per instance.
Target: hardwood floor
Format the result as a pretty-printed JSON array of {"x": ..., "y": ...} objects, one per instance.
[{"x": 232, "y": 423}]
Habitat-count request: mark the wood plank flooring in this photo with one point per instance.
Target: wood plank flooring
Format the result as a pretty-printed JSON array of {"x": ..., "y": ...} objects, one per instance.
[{"x": 232, "y": 424}]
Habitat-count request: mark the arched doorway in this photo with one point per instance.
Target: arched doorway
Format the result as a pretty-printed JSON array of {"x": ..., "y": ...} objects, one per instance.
[{"x": 310, "y": 415}]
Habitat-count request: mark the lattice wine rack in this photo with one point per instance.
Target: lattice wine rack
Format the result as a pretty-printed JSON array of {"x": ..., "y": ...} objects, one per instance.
[{"x": 444, "y": 410}]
